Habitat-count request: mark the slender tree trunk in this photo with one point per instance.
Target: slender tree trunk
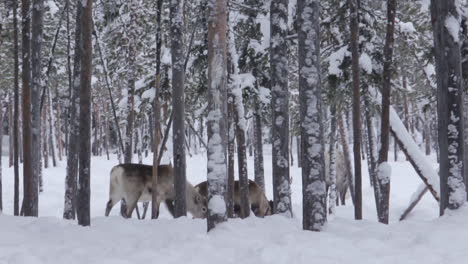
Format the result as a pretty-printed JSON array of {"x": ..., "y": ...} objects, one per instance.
[
  {"x": 217, "y": 107},
  {"x": 36, "y": 67},
  {"x": 178, "y": 107},
  {"x": 10, "y": 130},
  {"x": 354, "y": 44},
  {"x": 73, "y": 148},
  {"x": 384, "y": 170},
  {"x": 83, "y": 201},
  {"x": 259, "y": 170},
  {"x": 446, "y": 27},
  {"x": 69, "y": 73},
  {"x": 2, "y": 99},
  {"x": 231, "y": 125},
  {"x": 51, "y": 135},
  {"x": 299, "y": 151},
  {"x": 313, "y": 166},
  {"x": 157, "y": 116},
  {"x": 332, "y": 155},
  {"x": 280, "y": 106},
  {"x": 29, "y": 207},
  {"x": 16, "y": 111}
]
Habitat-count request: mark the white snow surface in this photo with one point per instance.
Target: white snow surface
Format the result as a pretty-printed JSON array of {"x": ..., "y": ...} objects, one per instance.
[{"x": 423, "y": 238}]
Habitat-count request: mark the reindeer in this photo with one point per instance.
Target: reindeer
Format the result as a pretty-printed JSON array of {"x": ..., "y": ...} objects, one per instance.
[
  {"x": 341, "y": 176},
  {"x": 133, "y": 183},
  {"x": 259, "y": 204}
]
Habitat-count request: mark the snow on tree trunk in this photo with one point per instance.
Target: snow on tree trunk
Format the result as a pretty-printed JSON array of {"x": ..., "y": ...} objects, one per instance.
[
  {"x": 354, "y": 45},
  {"x": 332, "y": 165},
  {"x": 239, "y": 129},
  {"x": 216, "y": 125},
  {"x": 383, "y": 175},
  {"x": 259, "y": 170},
  {"x": 178, "y": 106},
  {"x": 313, "y": 166},
  {"x": 446, "y": 20},
  {"x": 84, "y": 192},
  {"x": 73, "y": 149},
  {"x": 280, "y": 106}
]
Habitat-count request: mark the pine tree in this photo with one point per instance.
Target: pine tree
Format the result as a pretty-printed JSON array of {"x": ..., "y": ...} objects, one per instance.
[
  {"x": 84, "y": 192},
  {"x": 178, "y": 106}
]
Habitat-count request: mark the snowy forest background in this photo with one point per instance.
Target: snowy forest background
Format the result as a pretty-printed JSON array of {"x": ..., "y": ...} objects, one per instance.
[{"x": 321, "y": 103}]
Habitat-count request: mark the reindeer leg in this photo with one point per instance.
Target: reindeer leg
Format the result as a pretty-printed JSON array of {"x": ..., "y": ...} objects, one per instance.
[
  {"x": 170, "y": 206},
  {"x": 123, "y": 208},
  {"x": 137, "y": 211},
  {"x": 109, "y": 206},
  {"x": 145, "y": 209},
  {"x": 132, "y": 201}
]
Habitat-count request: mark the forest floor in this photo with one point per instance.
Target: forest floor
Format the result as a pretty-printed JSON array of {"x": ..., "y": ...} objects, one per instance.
[{"x": 422, "y": 238}]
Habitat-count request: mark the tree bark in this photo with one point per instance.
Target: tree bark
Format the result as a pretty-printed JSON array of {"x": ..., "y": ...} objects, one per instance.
[
  {"x": 73, "y": 148},
  {"x": 280, "y": 107},
  {"x": 83, "y": 201},
  {"x": 314, "y": 193},
  {"x": 217, "y": 107},
  {"x": 446, "y": 27},
  {"x": 259, "y": 171},
  {"x": 157, "y": 113},
  {"x": 178, "y": 107},
  {"x": 354, "y": 45},
  {"x": 16, "y": 112},
  {"x": 36, "y": 67},
  {"x": 30, "y": 187}
]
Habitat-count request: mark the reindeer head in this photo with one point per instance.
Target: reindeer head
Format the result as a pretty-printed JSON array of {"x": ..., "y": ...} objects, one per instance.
[{"x": 200, "y": 206}]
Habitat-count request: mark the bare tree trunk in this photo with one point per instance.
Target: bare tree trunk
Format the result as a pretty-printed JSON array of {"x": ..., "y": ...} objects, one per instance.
[
  {"x": 157, "y": 114},
  {"x": 354, "y": 44},
  {"x": 30, "y": 192},
  {"x": 36, "y": 67},
  {"x": 178, "y": 107},
  {"x": 299, "y": 152},
  {"x": 231, "y": 127},
  {"x": 2, "y": 99},
  {"x": 217, "y": 107},
  {"x": 258, "y": 145},
  {"x": 10, "y": 131},
  {"x": 16, "y": 111},
  {"x": 70, "y": 203},
  {"x": 332, "y": 198},
  {"x": 313, "y": 166},
  {"x": 280, "y": 107},
  {"x": 83, "y": 201},
  {"x": 445, "y": 20}
]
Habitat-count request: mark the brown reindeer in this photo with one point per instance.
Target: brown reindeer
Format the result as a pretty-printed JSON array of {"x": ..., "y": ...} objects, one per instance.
[{"x": 133, "y": 183}]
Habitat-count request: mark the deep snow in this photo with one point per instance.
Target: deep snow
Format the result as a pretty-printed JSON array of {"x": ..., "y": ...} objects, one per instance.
[{"x": 423, "y": 238}]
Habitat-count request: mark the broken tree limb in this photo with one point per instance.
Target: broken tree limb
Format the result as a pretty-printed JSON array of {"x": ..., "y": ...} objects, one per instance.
[
  {"x": 415, "y": 156},
  {"x": 417, "y": 196}
]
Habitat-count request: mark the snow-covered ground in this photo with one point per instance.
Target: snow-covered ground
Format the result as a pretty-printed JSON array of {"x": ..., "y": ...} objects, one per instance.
[{"x": 423, "y": 238}]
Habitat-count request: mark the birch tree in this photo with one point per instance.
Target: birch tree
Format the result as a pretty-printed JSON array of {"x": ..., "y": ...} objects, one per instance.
[
  {"x": 280, "y": 106},
  {"x": 216, "y": 125},
  {"x": 313, "y": 171},
  {"x": 446, "y": 20}
]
